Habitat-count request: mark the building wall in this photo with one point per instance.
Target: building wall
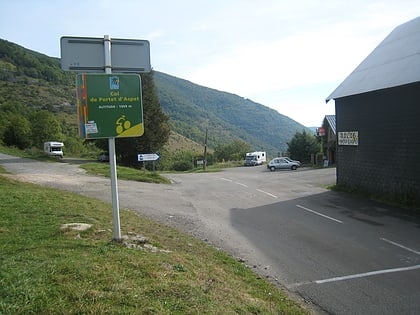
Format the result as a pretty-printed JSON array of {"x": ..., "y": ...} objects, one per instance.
[
  {"x": 387, "y": 159},
  {"x": 331, "y": 145}
]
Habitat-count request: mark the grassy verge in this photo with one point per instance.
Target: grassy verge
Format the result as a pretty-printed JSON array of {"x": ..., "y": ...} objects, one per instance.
[
  {"x": 218, "y": 167},
  {"x": 125, "y": 173},
  {"x": 47, "y": 270},
  {"x": 28, "y": 153}
]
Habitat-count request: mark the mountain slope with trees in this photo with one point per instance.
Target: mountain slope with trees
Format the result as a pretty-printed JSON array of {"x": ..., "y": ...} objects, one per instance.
[
  {"x": 47, "y": 113},
  {"x": 30, "y": 81},
  {"x": 228, "y": 117}
]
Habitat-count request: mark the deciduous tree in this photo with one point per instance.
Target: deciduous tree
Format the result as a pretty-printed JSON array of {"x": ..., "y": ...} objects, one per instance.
[
  {"x": 233, "y": 151},
  {"x": 17, "y": 131},
  {"x": 45, "y": 127}
]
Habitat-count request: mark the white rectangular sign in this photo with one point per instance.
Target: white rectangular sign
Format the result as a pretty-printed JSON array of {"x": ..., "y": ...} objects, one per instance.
[
  {"x": 348, "y": 138},
  {"x": 86, "y": 54}
]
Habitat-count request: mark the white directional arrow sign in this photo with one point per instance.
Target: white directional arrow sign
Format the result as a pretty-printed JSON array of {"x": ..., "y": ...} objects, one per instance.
[{"x": 148, "y": 157}]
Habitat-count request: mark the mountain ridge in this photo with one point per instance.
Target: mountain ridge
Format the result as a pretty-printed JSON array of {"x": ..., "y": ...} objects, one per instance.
[
  {"x": 225, "y": 114},
  {"x": 36, "y": 80}
]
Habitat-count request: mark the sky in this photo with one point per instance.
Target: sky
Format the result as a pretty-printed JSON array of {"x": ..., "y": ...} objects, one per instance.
[{"x": 285, "y": 54}]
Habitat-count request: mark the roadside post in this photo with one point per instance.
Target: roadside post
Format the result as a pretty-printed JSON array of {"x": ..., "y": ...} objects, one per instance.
[
  {"x": 205, "y": 151},
  {"x": 109, "y": 105},
  {"x": 112, "y": 155},
  {"x": 143, "y": 157}
]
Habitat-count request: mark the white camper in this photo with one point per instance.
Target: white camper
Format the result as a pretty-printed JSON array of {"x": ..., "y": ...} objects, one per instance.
[
  {"x": 53, "y": 148},
  {"x": 255, "y": 158}
]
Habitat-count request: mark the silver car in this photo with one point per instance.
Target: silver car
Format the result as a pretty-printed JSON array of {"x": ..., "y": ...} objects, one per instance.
[
  {"x": 282, "y": 163},
  {"x": 290, "y": 160},
  {"x": 103, "y": 157}
]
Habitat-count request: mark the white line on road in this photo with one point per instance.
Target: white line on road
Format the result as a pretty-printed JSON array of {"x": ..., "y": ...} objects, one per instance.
[
  {"x": 317, "y": 213},
  {"x": 230, "y": 181},
  {"x": 399, "y": 245},
  {"x": 267, "y": 193},
  {"x": 367, "y": 274}
]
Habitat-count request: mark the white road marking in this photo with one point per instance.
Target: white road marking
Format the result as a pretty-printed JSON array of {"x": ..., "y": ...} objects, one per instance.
[
  {"x": 367, "y": 274},
  {"x": 267, "y": 193},
  {"x": 317, "y": 213},
  {"x": 399, "y": 245},
  {"x": 231, "y": 181}
]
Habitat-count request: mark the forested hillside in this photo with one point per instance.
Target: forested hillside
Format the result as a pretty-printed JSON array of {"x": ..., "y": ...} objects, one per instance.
[
  {"x": 30, "y": 79},
  {"x": 34, "y": 80},
  {"x": 193, "y": 108}
]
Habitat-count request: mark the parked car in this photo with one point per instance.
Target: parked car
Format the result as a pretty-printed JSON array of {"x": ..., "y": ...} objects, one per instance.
[
  {"x": 290, "y": 160},
  {"x": 103, "y": 157},
  {"x": 282, "y": 163},
  {"x": 250, "y": 161}
]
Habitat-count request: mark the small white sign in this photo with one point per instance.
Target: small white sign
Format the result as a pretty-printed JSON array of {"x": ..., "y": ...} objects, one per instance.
[
  {"x": 348, "y": 138},
  {"x": 148, "y": 157},
  {"x": 91, "y": 127}
]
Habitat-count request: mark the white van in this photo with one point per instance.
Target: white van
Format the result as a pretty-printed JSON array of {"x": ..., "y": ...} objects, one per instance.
[
  {"x": 53, "y": 148},
  {"x": 255, "y": 158}
]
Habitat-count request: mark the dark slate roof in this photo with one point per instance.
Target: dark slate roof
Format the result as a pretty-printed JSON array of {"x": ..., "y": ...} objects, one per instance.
[
  {"x": 395, "y": 62},
  {"x": 331, "y": 121}
]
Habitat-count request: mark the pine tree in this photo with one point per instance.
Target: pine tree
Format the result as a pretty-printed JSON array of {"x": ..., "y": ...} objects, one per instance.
[
  {"x": 302, "y": 146},
  {"x": 156, "y": 127}
]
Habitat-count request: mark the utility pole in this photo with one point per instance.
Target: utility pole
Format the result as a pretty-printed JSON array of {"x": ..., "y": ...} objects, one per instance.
[{"x": 205, "y": 151}]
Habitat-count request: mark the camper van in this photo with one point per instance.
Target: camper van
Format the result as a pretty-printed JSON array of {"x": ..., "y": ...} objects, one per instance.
[
  {"x": 53, "y": 148},
  {"x": 255, "y": 158}
]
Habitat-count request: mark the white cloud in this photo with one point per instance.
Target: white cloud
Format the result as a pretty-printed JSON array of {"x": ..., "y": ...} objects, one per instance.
[{"x": 286, "y": 63}]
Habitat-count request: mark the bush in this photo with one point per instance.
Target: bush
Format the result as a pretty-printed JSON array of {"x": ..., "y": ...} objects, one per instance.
[{"x": 182, "y": 166}]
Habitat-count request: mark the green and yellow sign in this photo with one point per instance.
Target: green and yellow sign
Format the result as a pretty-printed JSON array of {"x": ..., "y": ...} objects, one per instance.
[{"x": 109, "y": 105}]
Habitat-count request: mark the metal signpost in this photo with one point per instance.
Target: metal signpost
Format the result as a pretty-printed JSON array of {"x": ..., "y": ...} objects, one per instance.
[
  {"x": 109, "y": 106},
  {"x": 148, "y": 157}
]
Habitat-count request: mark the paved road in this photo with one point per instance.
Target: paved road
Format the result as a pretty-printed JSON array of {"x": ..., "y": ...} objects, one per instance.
[{"x": 345, "y": 255}]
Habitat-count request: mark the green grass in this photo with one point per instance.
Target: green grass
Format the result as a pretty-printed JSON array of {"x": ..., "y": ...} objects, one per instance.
[
  {"x": 31, "y": 153},
  {"x": 28, "y": 153},
  {"x": 47, "y": 270},
  {"x": 125, "y": 173}
]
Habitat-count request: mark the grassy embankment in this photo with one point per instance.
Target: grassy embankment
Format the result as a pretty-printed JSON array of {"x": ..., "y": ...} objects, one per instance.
[{"x": 48, "y": 270}]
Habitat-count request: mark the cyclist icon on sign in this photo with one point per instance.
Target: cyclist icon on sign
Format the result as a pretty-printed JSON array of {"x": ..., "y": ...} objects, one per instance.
[{"x": 122, "y": 124}]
